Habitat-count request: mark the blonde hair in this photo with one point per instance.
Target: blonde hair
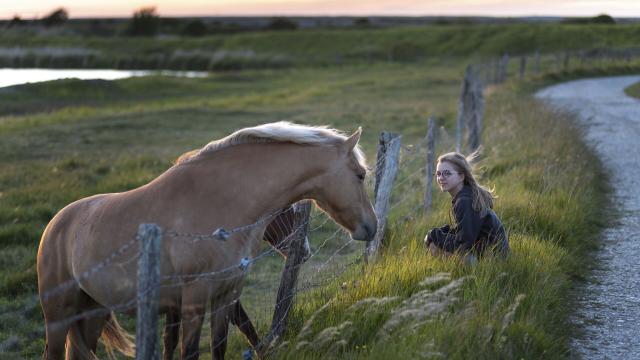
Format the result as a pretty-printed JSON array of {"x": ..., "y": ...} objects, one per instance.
[{"x": 482, "y": 196}]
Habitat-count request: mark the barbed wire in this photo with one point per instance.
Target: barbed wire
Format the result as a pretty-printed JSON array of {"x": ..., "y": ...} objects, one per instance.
[{"x": 409, "y": 156}]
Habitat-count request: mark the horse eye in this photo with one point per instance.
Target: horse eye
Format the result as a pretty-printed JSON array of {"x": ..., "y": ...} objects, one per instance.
[{"x": 360, "y": 177}]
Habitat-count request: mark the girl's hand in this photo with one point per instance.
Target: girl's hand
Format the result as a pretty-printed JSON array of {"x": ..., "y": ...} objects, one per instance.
[{"x": 427, "y": 239}]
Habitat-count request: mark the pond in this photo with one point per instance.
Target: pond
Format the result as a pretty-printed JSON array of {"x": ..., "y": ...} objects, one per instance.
[{"x": 10, "y": 77}]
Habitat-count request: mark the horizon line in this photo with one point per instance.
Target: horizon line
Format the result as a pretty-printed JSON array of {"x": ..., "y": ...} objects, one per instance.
[{"x": 329, "y": 15}]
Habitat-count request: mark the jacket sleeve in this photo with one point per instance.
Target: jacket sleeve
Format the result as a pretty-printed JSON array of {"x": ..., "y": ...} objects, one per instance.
[{"x": 467, "y": 229}]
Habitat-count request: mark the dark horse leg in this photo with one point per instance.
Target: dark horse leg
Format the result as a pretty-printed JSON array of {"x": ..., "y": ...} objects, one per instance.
[
  {"x": 220, "y": 328},
  {"x": 240, "y": 319},
  {"x": 171, "y": 333}
]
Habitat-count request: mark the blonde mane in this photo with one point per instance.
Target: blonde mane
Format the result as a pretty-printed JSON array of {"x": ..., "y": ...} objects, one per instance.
[{"x": 281, "y": 131}]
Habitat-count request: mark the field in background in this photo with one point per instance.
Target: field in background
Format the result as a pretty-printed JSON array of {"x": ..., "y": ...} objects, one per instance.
[
  {"x": 63, "y": 140},
  {"x": 633, "y": 90},
  {"x": 312, "y": 47}
]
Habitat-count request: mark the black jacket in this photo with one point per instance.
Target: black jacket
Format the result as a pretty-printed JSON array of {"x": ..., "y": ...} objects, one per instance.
[{"x": 471, "y": 232}]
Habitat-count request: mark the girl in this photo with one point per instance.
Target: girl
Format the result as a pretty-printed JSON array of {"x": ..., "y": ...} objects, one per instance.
[{"x": 477, "y": 227}]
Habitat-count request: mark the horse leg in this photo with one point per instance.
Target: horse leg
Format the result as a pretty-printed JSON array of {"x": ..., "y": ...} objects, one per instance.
[
  {"x": 84, "y": 334},
  {"x": 219, "y": 332},
  {"x": 57, "y": 310},
  {"x": 91, "y": 327},
  {"x": 193, "y": 312},
  {"x": 171, "y": 333},
  {"x": 240, "y": 319},
  {"x": 55, "y": 339}
]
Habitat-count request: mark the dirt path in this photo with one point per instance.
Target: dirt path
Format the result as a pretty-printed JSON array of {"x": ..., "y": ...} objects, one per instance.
[{"x": 609, "y": 309}]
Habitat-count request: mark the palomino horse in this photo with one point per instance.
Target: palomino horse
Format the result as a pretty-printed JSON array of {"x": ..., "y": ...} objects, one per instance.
[
  {"x": 229, "y": 183},
  {"x": 278, "y": 234}
]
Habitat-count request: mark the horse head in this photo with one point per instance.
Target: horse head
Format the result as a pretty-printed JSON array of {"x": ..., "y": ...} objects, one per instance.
[{"x": 341, "y": 191}]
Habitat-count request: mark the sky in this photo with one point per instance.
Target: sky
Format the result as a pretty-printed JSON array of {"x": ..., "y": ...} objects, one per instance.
[{"x": 29, "y": 9}]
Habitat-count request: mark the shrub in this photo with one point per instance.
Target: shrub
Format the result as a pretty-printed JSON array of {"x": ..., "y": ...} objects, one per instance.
[
  {"x": 145, "y": 22},
  {"x": 600, "y": 19},
  {"x": 57, "y": 17},
  {"x": 16, "y": 21}
]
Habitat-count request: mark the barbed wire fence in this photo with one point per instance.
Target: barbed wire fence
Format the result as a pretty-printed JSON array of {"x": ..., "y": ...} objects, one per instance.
[
  {"x": 333, "y": 253},
  {"x": 401, "y": 186}
]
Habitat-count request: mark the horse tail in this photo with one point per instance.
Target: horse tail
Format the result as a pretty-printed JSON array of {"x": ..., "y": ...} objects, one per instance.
[{"x": 114, "y": 337}]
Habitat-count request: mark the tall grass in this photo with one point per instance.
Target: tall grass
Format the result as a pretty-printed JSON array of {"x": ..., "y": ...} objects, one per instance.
[{"x": 551, "y": 193}]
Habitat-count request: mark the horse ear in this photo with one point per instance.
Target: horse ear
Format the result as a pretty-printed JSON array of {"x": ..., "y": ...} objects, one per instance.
[{"x": 352, "y": 140}]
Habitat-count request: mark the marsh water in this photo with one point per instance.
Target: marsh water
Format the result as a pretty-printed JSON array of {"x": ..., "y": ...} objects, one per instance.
[
  {"x": 9, "y": 77},
  {"x": 609, "y": 305}
]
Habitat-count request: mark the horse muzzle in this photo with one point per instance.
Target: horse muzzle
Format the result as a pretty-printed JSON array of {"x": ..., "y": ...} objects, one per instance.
[{"x": 365, "y": 232}]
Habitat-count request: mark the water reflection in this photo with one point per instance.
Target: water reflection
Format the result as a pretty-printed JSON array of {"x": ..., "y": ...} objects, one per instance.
[{"x": 9, "y": 77}]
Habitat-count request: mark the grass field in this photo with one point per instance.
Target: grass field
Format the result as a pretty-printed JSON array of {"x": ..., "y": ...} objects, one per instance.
[
  {"x": 633, "y": 90},
  {"x": 63, "y": 140},
  {"x": 313, "y": 47},
  {"x": 59, "y": 144}
]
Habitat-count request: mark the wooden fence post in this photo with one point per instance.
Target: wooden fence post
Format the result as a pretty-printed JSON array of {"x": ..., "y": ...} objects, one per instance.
[
  {"x": 388, "y": 156},
  {"x": 475, "y": 115},
  {"x": 286, "y": 291},
  {"x": 150, "y": 236},
  {"x": 523, "y": 66},
  {"x": 430, "y": 166},
  {"x": 470, "y": 112},
  {"x": 537, "y": 62},
  {"x": 504, "y": 68},
  {"x": 462, "y": 107}
]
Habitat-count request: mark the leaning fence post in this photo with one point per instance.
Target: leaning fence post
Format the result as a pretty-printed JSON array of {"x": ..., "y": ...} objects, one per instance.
[
  {"x": 150, "y": 236},
  {"x": 431, "y": 159},
  {"x": 388, "y": 156},
  {"x": 289, "y": 277},
  {"x": 464, "y": 93},
  {"x": 474, "y": 116}
]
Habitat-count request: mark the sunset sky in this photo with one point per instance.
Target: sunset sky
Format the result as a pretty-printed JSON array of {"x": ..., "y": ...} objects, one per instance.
[{"x": 28, "y": 9}]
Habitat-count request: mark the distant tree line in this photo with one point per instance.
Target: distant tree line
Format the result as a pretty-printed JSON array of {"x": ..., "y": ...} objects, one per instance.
[
  {"x": 55, "y": 18},
  {"x": 146, "y": 22},
  {"x": 600, "y": 19}
]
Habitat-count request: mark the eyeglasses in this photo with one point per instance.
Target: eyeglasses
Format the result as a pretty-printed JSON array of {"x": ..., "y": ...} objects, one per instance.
[{"x": 445, "y": 174}]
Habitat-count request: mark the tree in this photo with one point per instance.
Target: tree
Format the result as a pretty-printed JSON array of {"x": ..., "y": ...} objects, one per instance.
[
  {"x": 603, "y": 19},
  {"x": 145, "y": 22},
  {"x": 57, "y": 17},
  {"x": 16, "y": 21},
  {"x": 600, "y": 19}
]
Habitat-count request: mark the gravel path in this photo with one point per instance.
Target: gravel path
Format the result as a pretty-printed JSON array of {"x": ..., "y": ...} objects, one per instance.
[{"x": 609, "y": 308}]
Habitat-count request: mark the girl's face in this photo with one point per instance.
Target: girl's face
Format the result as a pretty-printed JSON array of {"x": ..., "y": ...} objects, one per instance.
[{"x": 449, "y": 178}]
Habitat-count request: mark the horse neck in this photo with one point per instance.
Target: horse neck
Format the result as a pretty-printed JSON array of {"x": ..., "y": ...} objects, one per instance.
[{"x": 259, "y": 179}]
